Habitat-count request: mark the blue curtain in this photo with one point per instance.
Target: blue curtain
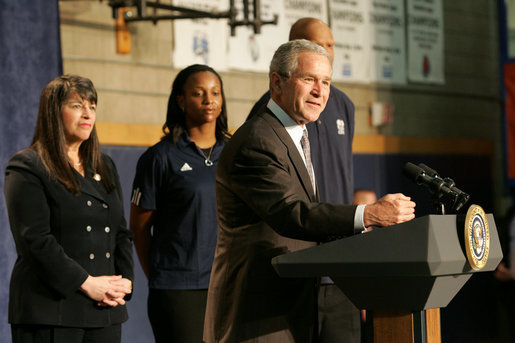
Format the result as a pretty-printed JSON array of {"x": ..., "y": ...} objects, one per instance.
[{"x": 30, "y": 56}]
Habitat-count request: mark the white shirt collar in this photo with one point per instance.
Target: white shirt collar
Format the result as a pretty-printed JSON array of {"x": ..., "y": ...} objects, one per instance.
[{"x": 294, "y": 130}]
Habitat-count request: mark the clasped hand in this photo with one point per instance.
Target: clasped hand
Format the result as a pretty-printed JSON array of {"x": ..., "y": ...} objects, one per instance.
[
  {"x": 389, "y": 210},
  {"x": 107, "y": 290}
]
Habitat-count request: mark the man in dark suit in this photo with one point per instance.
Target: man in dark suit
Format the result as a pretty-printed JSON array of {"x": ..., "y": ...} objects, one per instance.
[
  {"x": 330, "y": 139},
  {"x": 267, "y": 206}
]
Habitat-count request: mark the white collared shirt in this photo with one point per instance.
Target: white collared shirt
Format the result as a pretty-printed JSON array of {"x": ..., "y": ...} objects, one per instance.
[{"x": 295, "y": 131}]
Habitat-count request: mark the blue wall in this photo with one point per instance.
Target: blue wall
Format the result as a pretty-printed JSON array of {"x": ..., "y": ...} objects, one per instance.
[
  {"x": 383, "y": 173},
  {"x": 137, "y": 329},
  {"x": 30, "y": 57}
]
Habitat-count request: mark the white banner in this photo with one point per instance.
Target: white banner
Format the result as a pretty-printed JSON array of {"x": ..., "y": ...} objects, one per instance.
[
  {"x": 253, "y": 52},
  {"x": 369, "y": 37},
  {"x": 425, "y": 41},
  {"x": 351, "y": 32},
  {"x": 296, "y": 9},
  {"x": 248, "y": 51},
  {"x": 202, "y": 41},
  {"x": 387, "y": 41}
]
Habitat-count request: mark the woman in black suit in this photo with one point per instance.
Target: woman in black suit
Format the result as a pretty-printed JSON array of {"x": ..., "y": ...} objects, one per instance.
[{"x": 74, "y": 269}]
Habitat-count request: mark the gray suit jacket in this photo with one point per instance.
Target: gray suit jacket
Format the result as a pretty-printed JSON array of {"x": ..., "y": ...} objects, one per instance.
[{"x": 266, "y": 207}]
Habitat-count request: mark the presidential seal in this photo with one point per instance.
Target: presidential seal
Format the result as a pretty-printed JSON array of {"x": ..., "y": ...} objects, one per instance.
[{"x": 477, "y": 237}]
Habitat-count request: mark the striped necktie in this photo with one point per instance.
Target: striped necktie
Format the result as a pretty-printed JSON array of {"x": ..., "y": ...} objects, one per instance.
[{"x": 304, "y": 142}]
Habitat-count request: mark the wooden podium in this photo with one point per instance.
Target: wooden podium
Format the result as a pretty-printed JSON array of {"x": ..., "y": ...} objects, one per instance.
[{"x": 401, "y": 274}]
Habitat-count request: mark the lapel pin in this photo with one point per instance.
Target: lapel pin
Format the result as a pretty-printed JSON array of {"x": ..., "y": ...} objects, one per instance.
[{"x": 97, "y": 177}]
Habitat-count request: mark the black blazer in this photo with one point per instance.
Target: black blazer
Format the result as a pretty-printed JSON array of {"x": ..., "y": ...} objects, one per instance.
[
  {"x": 266, "y": 207},
  {"x": 61, "y": 238}
]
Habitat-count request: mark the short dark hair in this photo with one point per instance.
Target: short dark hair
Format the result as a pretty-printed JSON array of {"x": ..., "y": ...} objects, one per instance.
[
  {"x": 49, "y": 139},
  {"x": 175, "y": 123}
]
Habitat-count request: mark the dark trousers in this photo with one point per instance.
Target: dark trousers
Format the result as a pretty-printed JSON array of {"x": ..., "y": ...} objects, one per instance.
[
  {"x": 177, "y": 315},
  {"x": 57, "y": 334},
  {"x": 339, "y": 320}
]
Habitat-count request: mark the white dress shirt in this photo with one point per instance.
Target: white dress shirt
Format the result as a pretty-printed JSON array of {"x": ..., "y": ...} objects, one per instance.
[{"x": 295, "y": 131}]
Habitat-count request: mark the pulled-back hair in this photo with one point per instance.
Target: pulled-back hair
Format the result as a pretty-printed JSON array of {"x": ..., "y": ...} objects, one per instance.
[
  {"x": 49, "y": 139},
  {"x": 175, "y": 123}
]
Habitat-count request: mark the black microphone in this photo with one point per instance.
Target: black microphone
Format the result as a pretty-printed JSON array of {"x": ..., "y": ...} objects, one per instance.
[
  {"x": 462, "y": 197},
  {"x": 428, "y": 171},
  {"x": 436, "y": 185}
]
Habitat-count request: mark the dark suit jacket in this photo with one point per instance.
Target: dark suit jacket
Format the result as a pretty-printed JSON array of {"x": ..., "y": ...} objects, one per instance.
[
  {"x": 60, "y": 239},
  {"x": 266, "y": 207},
  {"x": 330, "y": 138}
]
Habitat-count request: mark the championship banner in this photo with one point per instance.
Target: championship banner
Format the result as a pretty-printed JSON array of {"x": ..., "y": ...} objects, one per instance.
[
  {"x": 387, "y": 40},
  {"x": 296, "y": 9},
  {"x": 253, "y": 52},
  {"x": 351, "y": 32},
  {"x": 425, "y": 41},
  {"x": 201, "y": 41}
]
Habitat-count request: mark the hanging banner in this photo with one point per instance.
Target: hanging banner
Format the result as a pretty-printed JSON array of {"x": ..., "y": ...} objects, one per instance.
[
  {"x": 202, "y": 41},
  {"x": 253, "y": 52},
  {"x": 509, "y": 85},
  {"x": 296, "y": 9},
  {"x": 351, "y": 32},
  {"x": 387, "y": 40},
  {"x": 425, "y": 41}
]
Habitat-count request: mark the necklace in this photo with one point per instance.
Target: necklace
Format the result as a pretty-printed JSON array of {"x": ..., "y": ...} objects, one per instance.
[
  {"x": 207, "y": 159},
  {"x": 74, "y": 164}
]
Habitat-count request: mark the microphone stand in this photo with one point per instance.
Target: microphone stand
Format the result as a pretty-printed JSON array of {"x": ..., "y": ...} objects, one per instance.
[{"x": 440, "y": 207}]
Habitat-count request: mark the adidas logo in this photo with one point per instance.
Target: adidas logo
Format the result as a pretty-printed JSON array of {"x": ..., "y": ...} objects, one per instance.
[{"x": 186, "y": 167}]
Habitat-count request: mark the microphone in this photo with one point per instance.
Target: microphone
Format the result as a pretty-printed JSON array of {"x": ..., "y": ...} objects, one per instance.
[
  {"x": 436, "y": 185},
  {"x": 428, "y": 171},
  {"x": 462, "y": 197}
]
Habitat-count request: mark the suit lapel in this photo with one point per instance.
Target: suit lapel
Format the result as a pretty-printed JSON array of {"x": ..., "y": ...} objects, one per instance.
[
  {"x": 293, "y": 152},
  {"x": 92, "y": 187}
]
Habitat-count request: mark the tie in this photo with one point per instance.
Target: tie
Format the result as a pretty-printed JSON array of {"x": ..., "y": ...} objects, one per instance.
[{"x": 304, "y": 142}]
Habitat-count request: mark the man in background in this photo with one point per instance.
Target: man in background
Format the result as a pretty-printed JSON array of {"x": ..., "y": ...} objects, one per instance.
[{"x": 330, "y": 139}]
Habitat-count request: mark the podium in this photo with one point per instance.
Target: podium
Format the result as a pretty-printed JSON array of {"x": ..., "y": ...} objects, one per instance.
[{"x": 401, "y": 274}]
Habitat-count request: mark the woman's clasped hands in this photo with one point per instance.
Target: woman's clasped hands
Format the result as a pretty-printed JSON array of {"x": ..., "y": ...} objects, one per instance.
[{"x": 107, "y": 290}]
